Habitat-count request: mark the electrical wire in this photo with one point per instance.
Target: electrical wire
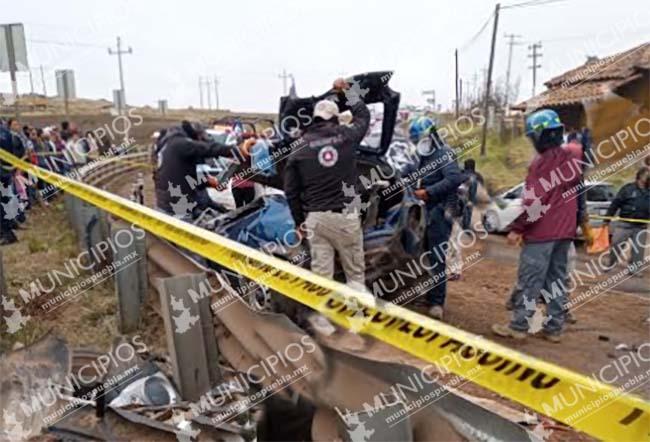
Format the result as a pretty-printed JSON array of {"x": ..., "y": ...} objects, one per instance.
[
  {"x": 531, "y": 3},
  {"x": 478, "y": 34},
  {"x": 66, "y": 43}
]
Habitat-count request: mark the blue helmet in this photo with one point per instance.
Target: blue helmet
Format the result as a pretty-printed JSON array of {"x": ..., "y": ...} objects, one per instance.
[
  {"x": 421, "y": 127},
  {"x": 543, "y": 120}
]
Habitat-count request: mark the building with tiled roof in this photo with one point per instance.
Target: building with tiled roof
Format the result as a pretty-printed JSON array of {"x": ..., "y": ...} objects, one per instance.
[{"x": 608, "y": 95}]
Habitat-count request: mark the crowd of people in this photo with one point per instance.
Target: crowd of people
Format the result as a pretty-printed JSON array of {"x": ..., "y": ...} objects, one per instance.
[{"x": 56, "y": 148}]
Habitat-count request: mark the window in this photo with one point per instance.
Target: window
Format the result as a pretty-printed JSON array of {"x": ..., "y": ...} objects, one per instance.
[
  {"x": 600, "y": 193},
  {"x": 372, "y": 139}
]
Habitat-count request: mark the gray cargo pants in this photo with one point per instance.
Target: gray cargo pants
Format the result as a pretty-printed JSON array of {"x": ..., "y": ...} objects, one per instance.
[
  {"x": 636, "y": 234},
  {"x": 542, "y": 270},
  {"x": 330, "y": 232}
]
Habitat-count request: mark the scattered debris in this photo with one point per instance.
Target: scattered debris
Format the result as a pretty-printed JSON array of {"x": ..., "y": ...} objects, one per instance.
[{"x": 28, "y": 377}]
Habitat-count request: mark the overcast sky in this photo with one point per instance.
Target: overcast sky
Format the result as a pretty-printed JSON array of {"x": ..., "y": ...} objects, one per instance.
[{"x": 247, "y": 43}]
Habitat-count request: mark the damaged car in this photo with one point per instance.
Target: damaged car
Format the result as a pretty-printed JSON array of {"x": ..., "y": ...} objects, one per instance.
[{"x": 393, "y": 219}]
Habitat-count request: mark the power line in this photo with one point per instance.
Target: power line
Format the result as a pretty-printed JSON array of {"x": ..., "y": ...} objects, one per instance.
[
  {"x": 478, "y": 34},
  {"x": 531, "y": 3},
  {"x": 65, "y": 43}
]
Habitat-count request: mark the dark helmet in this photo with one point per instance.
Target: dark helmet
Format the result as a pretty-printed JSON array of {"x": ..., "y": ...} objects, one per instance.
[
  {"x": 193, "y": 129},
  {"x": 545, "y": 129}
]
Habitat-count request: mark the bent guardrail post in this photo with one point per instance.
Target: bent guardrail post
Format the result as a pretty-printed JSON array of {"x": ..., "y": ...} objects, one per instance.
[{"x": 190, "y": 335}]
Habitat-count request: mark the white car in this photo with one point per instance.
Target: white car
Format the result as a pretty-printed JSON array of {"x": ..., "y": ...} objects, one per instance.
[{"x": 506, "y": 206}]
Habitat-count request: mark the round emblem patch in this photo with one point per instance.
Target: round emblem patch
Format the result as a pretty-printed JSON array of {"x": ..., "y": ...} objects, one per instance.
[{"x": 328, "y": 156}]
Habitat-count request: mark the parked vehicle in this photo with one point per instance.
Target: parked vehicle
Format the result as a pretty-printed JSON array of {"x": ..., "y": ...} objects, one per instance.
[{"x": 506, "y": 206}]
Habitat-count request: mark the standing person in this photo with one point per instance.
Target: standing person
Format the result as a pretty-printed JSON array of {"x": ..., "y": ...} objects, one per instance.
[
  {"x": 546, "y": 228},
  {"x": 76, "y": 149},
  {"x": 10, "y": 142},
  {"x": 179, "y": 191},
  {"x": 66, "y": 132},
  {"x": 315, "y": 175},
  {"x": 632, "y": 202},
  {"x": 577, "y": 150},
  {"x": 438, "y": 185},
  {"x": 93, "y": 146},
  {"x": 48, "y": 144}
]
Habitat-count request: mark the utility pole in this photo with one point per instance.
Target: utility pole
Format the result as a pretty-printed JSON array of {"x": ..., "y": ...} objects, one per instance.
[
  {"x": 488, "y": 84},
  {"x": 460, "y": 91},
  {"x": 201, "y": 91},
  {"x": 208, "y": 83},
  {"x": 43, "y": 81},
  {"x": 66, "y": 93},
  {"x": 535, "y": 55},
  {"x": 31, "y": 82},
  {"x": 474, "y": 87},
  {"x": 457, "y": 86},
  {"x": 119, "y": 52},
  {"x": 216, "y": 92},
  {"x": 511, "y": 42},
  {"x": 284, "y": 76}
]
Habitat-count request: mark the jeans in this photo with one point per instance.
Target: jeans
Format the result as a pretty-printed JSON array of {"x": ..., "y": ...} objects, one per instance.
[
  {"x": 638, "y": 236},
  {"x": 439, "y": 225},
  {"x": 467, "y": 216},
  {"x": 517, "y": 290},
  {"x": 542, "y": 270},
  {"x": 8, "y": 207},
  {"x": 455, "y": 255},
  {"x": 341, "y": 233}
]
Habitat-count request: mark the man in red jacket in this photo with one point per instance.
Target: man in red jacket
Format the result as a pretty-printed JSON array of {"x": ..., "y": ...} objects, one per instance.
[{"x": 546, "y": 228}]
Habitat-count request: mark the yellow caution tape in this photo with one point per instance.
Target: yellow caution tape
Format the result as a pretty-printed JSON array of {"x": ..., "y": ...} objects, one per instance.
[
  {"x": 588, "y": 405},
  {"x": 618, "y": 218}
]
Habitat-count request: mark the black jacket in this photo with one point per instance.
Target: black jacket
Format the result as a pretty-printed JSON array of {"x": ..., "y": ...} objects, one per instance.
[
  {"x": 176, "y": 177},
  {"x": 631, "y": 202},
  {"x": 12, "y": 143},
  {"x": 438, "y": 173},
  {"x": 322, "y": 162}
]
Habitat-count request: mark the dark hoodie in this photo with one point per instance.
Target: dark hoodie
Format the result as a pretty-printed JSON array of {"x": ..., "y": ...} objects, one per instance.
[{"x": 178, "y": 156}]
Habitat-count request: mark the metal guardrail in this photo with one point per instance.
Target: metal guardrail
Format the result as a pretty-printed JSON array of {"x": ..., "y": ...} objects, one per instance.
[{"x": 103, "y": 170}]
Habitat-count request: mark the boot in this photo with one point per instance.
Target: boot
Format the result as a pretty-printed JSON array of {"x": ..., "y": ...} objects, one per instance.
[
  {"x": 506, "y": 332},
  {"x": 436, "y": 312},
  {"x": 7, "y": 238}
]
